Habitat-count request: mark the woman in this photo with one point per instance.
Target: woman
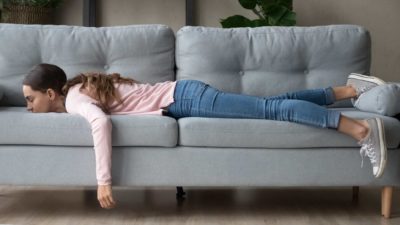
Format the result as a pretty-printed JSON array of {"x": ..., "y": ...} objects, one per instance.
[{"x": 95, "y": 96}]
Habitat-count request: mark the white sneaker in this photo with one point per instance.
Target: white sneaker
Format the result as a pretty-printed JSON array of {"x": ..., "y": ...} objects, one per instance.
[
  {"x": 362, "y": 83},
  {"x": 374, "y": 146}
]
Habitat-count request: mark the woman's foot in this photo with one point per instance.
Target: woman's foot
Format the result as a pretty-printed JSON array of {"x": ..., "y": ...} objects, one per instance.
[
  {"x": 362, "y": 83},
  {"x": 373, "y": 145}
]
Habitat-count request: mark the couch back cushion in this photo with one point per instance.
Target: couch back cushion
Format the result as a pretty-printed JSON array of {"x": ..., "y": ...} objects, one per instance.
[
  {"x": 142, "y": 52},
  {"x": 266, "y": 61}
]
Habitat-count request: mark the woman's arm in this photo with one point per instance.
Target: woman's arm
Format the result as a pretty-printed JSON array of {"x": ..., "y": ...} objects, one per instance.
[
  {"x": 101, "y": 127},
  {"x": 101, "y": 131}
]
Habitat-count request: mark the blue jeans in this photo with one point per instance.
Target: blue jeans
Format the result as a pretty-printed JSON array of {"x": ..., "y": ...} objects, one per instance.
[{"x": 193, "y": 98}]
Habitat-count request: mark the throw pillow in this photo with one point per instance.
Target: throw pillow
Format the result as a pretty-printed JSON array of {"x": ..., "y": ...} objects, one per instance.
[{"x": 382, "y": 99}]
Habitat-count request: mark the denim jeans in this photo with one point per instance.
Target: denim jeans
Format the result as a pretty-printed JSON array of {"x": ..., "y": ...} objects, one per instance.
[{"x": 193, "y": 98}]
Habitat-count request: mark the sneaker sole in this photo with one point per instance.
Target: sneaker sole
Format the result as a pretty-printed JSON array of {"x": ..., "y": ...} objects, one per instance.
[
  {"x": 371, "y": 79},
  {"x": 383, "y": 148}
]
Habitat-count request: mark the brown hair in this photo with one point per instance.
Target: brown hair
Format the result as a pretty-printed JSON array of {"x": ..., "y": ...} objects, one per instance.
[
  {"x": 102, "y": 84},
  {"x": 44, "y": 76}
]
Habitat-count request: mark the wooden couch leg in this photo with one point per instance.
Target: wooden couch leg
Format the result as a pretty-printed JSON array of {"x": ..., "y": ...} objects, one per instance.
[{"x": 386, "y": 200}]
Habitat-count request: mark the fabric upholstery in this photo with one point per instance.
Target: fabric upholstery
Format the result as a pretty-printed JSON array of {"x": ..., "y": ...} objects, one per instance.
[
  {"x": 382, "y": 99},
  {"x": 266, "y": 61},
  {"x": 255, "y": 133},
  {"x": 142, "y": 52},
  {"x": 19, "y": 127},
  {"x": 194, "y": 166}
]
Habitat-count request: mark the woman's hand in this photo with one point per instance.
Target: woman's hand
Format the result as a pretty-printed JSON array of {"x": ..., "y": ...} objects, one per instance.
[{"x": 104, "y": 195}]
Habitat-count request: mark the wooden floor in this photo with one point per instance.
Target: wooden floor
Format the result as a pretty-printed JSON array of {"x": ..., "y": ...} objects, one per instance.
[{"x": 65, "y": 206}]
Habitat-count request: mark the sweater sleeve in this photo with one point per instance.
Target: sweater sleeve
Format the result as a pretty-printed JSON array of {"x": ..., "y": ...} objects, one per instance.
[{"x": 101, "y": 131}]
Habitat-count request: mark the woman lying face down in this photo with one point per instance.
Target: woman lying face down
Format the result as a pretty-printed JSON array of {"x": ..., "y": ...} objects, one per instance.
[{"x": 46, "y": 89}]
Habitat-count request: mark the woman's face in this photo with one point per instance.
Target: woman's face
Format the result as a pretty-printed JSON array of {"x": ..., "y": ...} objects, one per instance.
[{"x": 37, "y": 101}]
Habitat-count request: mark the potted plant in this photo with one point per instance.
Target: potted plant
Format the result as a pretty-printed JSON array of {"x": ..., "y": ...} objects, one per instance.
[
  {"x": 28, "y": 11},
  {"x": 269, "y": 12}
]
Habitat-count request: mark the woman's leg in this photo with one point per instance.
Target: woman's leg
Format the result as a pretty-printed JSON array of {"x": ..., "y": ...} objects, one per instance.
[
  {"x": 321, "y": 96},
  {"x": 215, "y": 103},
  {"x": 344, "y": 92},
  {"x": 357, "y": 129},
  {"x": 195, "y": 98}
]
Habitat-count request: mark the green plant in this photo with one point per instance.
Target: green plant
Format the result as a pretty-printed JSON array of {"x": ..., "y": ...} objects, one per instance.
[{"x": 269, "y": 12}]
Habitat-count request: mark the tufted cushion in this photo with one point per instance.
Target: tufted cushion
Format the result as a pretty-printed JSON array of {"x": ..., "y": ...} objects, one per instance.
[
  {"x": 142, "y": 52},
  {"x": 266, "y": 61},
  {"x": 383, "y": 99}
]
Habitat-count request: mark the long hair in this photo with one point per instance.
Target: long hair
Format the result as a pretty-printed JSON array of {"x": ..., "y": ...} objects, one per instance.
[{"x": 101, "y": 85}]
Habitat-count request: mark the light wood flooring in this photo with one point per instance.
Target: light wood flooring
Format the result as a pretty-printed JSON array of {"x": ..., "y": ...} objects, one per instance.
[{"x": 270, "y": 206}]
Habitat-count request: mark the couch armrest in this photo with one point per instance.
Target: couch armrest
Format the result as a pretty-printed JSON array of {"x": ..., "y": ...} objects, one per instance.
[{"x": 383, "y": 99}]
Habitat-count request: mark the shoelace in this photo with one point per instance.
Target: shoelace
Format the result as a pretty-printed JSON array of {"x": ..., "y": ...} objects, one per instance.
[{"x": 367, "y": 150}]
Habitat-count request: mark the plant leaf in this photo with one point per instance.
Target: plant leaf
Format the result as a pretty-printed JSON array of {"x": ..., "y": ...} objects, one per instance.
[
  {"x": 289, "y": 19},
  {"x": 275, "y": 14},
  {"x": 266, "y": 2},
  {"x": 236, "y": 21},
  {"x": 287, "y": 3},
  {"x": 248, "y": 4},
  {"x": 266, "y": 6},
  {"x": 259, "y": 23}
]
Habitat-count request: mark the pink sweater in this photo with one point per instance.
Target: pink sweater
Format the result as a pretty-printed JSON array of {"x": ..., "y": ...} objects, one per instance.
[{"x": 138, "y": 99}]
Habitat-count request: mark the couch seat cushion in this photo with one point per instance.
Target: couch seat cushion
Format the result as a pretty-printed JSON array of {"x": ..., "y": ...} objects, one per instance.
[
  {"x": 258, "y": 133},
  {"x": 19, "y": 126}
]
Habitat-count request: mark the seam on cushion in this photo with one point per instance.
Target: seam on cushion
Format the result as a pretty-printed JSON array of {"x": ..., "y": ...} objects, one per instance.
[
  {"x": 268, "y": 31},
  {"x": 66, "y": 27},
  {"x": 234, "y": 132}
]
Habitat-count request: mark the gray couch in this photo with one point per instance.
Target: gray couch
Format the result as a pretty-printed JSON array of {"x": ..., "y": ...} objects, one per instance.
[{"x": 57, "y": 148}]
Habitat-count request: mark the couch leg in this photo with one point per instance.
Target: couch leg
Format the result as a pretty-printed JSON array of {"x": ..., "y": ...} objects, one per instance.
[
  {"x": 180, "y": 193},
  {"x": 386, "y": 200},
  {"x": 356, "y": 190}
]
